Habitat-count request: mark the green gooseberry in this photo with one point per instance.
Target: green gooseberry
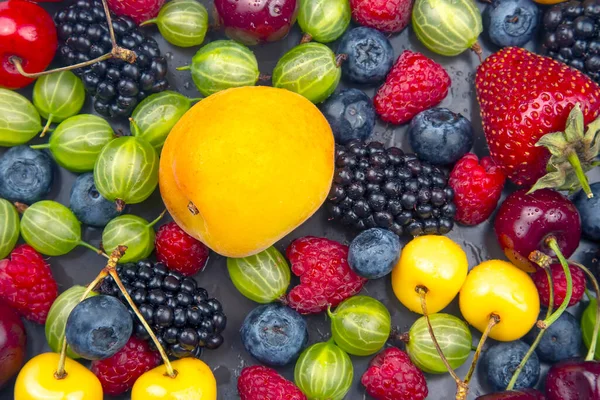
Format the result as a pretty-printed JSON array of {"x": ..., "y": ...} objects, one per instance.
[
  {"x": 588, "y": 319},
  {"x": 324, "y": 20},
  {"x": 9, "y": 227},
  {"x": 182, "y": 23},
  {"x": 132, "y": 231},
  {"x": 58, "y": 96},
  {"x": 223, "y": 64},
  {"x": 360, "y": 325},
  {"x": 126, "y": 171},
  {"x": 453, "y": 336},
  {"x": 263, "y": 277},
  {"x": 77, "y": 141},
  {"x": 51, "y": 228},
  {"x": 57, "y": 318},
  {"x": 157, "y": 114},
  {"x": 447, "y": 27},
  {"x": 324, "y": 371},
  {"x": 19, "y": 120},
  {"x": 310, "y": 69}
]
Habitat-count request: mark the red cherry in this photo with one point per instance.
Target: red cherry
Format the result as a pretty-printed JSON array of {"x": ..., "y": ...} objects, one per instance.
[
  {"x": 27, "y": 32},
  {"x": 524, "y": 222},
  {"x": 525, "y": 394},
  {"x": 12, "y": 343},
  {"x": 255, "y": 21},
  {"x": 573, "y": 380}
]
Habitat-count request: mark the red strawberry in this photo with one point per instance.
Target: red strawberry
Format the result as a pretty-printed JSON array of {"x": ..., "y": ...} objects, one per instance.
[
  {"x": 138, "y": 10},
  {"x": 524, "y": 97},
  {"x": 262, "y": 383},
  {"x": 26, "y": 283},
  {"x": 392, "y": 376},
  {"x": 477, "y": 188},
  {"x": 388, "y": 16},
  {"x": 415, "y": 83},
  {"x": 179, "y": 251},
  {"x": 325, "y": 276},
  {"x": 118, "y": 373},
  {"x": 559, "y": 285}
]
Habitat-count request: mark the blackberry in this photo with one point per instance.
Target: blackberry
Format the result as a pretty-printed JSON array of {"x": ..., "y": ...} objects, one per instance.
[
  {"x": 181, "y": 314},
  {"x": 572, "y": 35},
  {"x": 378, "y": 187},
  {"x": 116, "y": 85}
]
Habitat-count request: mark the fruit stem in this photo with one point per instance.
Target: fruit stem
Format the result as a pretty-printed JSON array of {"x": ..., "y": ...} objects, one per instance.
[
  {"x": 264, "y": 77},
  {"x": 114, "y": 257},
  {"x": 538, "y": 338},
  {"x": 329, "y": 313},
  {"x": 116, "y": 52},
  {"x": 162, "y": 214},
  {"x": 477, "y": 50},
  {"x": 307, "y": 37},
  {"x": 120, "y": 205},
  {"x": 170, "y": 371},
  {"x": 581, "y": 177},
  {"x": 553, "y": 244},
  {"x": 339, "y": 59},
  {"x": 494, "y": 320},
  {"x": 94, "y": 249},
  {"x": 21, "y": 207},
  {"x": 593, "y": 343},
  {"x": 136, "y": 128},
  {"x": 47, "y": 126},
  {"x": 40, "y": 146},
  {"x": 150, "y": 21},
  {"x": 422, "y": 291},
  {"x": 184, "y": 68}
]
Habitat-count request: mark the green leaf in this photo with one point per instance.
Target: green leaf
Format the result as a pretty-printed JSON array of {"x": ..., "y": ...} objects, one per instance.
[
  {"x": 554, "y": 142},
  {"x": 574, "y": 127},
  {"x": 552, "y": 179}
]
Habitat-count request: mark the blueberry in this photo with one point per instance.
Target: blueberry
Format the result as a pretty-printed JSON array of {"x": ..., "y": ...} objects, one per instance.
[
  {"x": 589, "y": 210},
  {"x": 350, "y": 114},
  {"x": 374, "y": 252},
  {"x": 26, "y": 175},
  {"x": 562, "y": 339},
  {"x": 500, "y": 361},
  {"x": 98, "y": 327},
  {"x": 274, "y": 334},
  {"x": 511, "y": 22},
  {"x": 88, "y": 205},
  {"x": 370, "y": 55},
  {"x": 440, "y": 136}
]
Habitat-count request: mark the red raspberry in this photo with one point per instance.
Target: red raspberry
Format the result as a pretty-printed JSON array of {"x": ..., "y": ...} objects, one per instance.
[
  {"x": 179, "y": 251},
  {"x": 262, "y": 383},
  {"x": 559, "y": 283},
  {"x": 388, "y": 16},
  {"x": 137, "y": 10},
  {"x": 26, "y": 283},
  {"x": 118, "y": 373},
  {"x": 415, "y": 83},
  {"x": 392, "y": 376},
  {"x": 477, "y": 188},
  {"x": 325, "y": 276}
]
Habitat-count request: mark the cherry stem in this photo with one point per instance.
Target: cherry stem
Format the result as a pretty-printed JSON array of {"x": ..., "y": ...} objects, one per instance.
[
  {"x": 47, "y": 126},
  {"x": 576, "y": 164},
  {"x": 476, "y": 48},
  {"x": 538, "y": 338},
  {"x": 494, "y": 320},
  {"x": 116, "y": 52},
  {"x": 553, "y": 244},
  {"x": 593, "y": 343},
  {"x": 162, "y": 214}
]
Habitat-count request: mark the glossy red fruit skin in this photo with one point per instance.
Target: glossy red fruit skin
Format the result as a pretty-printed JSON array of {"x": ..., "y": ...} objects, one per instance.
[
  {"x": 28, "y": 32},
  {"x": 256, "y": 21},
  {"x": 525, "y": 394},
  {"x": 524, "y": 222},
  {"x": 138, "y": 10},
  {"x": 12, "y": 343},
  {"x": 573, "y": 380}
]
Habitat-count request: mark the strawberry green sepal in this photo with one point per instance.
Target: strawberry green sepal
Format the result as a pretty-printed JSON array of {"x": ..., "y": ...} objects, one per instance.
[{"x": 573, "y": 153}]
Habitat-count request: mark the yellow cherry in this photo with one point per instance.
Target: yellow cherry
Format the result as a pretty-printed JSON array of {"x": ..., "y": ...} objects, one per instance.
[
  {"x": 498, "y": 287},
  {"x": 194, "y": 381},
  {"x": 36, "y": 381},
  {"x": 435, "y": 263}
]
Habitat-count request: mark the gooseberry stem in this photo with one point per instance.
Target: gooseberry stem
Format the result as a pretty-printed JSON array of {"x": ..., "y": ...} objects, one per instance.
[
  {"x": 307, "y": 37},
  {"x": 184, "y": 68},
  {"x": 40, "y": 146},
  {"x": 116, "y": 52},
  {"x": 150, "y": 21},
  {"x": 47, "y": 126},
  {"x": 134, "y": 125},
  {"x": 162, "y": 214},
  {"x": 94, "y": 249},
  {"x": 513, "y": 379},
  {"x": 476, "y": 48},
  {"x": 593, "y": 343},
  {"x": 583, "y": 180}
]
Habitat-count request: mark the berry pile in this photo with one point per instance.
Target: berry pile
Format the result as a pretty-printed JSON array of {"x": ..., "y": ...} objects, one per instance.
[
  {"x": 572, "y": 35},
  {"x": 116, "y": 86},
  {"x": 378, "y": 187},
  {"x": 180, "y": 313}
]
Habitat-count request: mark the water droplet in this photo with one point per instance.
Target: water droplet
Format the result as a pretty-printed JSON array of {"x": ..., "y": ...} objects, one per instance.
[{"x": 186, "y": 85}]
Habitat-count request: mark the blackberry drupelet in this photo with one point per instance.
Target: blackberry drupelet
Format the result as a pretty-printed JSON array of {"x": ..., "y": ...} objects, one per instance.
[
  {"x": 378, "y": 187},
  {"x": 116, "y": 85},
  {"x": 572, "y": 35},
  {"x": 183, "y": 317}
]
